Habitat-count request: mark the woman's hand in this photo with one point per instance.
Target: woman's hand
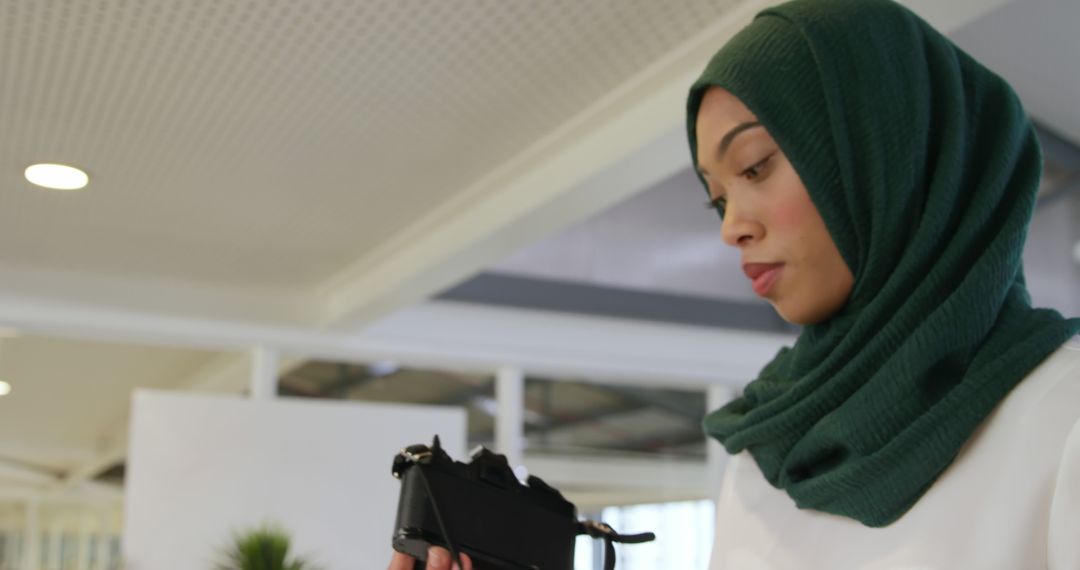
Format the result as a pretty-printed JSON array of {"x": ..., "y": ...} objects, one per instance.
[{"x": 437, "y": 559}]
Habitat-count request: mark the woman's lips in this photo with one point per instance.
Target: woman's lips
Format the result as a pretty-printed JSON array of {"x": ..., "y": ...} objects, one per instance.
[{"x": 764, "y": 275}]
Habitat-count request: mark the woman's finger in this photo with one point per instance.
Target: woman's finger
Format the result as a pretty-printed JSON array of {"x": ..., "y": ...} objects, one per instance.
[
  {"x": 440, "y": 559},
  {"x": 402, "y": 562}
]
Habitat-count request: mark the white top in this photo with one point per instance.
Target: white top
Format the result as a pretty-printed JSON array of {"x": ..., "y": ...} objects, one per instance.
[{"x": 1010, "y": 500}]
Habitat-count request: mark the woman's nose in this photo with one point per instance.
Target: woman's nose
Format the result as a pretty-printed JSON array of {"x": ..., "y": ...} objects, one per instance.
[{"x": 737, "y": 228}]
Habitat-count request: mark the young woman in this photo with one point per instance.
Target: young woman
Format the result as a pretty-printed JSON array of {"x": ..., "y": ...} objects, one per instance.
[{"x": 879, "y": 183}]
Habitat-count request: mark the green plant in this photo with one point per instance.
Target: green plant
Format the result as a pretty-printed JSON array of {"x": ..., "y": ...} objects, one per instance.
[{"x": 262, "y": 548}]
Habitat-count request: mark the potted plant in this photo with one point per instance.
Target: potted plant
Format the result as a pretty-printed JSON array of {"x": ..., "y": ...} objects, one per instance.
[{"x": 262, "y": 548}]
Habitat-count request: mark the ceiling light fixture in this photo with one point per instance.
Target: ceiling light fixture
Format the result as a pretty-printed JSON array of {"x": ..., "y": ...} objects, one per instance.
[
  {"x": 5, "y": 388},
  {"x": 57, "y": 176}
]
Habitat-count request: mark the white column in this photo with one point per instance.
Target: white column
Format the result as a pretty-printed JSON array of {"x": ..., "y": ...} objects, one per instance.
[
  {"x": 264, "y": 373},
  {"x": 510, "y": 419},
  {"x": 715, "y": 455},
  {"x": 56, "y": 535},
  {"x": 12, "y": 530},
  {"x": 83, "y": 561},
  {"x": 31, "y": 548},
  {"x": 104, "y": 534}
]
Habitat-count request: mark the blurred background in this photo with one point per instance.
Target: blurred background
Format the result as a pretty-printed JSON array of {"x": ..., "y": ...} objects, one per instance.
[{"x": 480, "y": 204}]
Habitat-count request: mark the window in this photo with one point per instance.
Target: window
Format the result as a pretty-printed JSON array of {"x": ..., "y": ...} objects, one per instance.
[{"x": 684, "y": 537}]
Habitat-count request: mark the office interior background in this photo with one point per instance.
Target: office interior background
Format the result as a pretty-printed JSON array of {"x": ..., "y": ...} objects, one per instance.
[{"x": 484, "y": 207}]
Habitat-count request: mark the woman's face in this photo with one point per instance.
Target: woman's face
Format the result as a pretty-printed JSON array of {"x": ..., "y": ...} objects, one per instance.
[{"x": 786, "y": 249}]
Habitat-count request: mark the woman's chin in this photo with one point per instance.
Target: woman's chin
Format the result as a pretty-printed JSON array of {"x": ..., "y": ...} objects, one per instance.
[
  {"x": 796, "y": 315},
  {"x": 804, "y": 314},
  {"x": 795, "y": 320}
]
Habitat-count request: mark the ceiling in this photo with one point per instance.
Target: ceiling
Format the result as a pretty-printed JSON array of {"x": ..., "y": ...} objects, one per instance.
[
  {"x": 304, "y": 176},
  {"x": 268, "y": 147}
]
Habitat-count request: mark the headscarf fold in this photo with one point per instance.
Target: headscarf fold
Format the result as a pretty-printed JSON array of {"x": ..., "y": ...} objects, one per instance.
[{"x": 925, "y": 169}]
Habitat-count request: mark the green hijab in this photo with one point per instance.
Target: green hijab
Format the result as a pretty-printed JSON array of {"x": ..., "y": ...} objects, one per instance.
[{"x": 925, "y": 169}]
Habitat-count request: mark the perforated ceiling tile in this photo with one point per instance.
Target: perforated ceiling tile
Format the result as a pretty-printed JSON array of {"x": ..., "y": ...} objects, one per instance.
[{"x": 268, "y": 143}]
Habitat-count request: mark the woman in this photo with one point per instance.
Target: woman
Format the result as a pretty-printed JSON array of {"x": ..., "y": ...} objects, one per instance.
[
  {"x": 879, "y": 184},
  {"x": 898, "y": 245}
]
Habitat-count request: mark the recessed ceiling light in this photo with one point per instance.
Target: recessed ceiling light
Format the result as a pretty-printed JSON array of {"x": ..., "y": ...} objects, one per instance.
[
  {"x": 57, "y": 176},
  {"x": 5, "y": 388}
]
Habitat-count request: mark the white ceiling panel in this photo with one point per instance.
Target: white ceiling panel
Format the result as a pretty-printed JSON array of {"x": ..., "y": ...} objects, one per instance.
[{"x": 268, "y": 144}]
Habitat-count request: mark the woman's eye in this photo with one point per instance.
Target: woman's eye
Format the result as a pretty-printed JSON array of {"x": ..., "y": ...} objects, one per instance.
[
  {"x": 755, "y": 170},
  {"x": 717, "y": 203}
]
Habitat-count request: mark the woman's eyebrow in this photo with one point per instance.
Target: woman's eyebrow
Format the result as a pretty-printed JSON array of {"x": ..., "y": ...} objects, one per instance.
[
  {"x": 730, "y": 136},
  {"x": 725, "y": 142}
]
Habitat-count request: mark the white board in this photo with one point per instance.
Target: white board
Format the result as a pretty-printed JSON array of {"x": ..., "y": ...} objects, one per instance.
[{"x": 200, "y": 467}]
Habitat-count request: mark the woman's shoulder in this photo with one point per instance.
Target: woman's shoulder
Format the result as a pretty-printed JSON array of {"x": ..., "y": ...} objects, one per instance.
[
  {"x": 1032, "y": 424},
  {"x": 1057, "y": 376},
  {"x": 989, "y": 509},
  {"x": 1071, "y": 347},
  {"x": 1047, "y": 401},
  {"x": 1063, "y": 363}
]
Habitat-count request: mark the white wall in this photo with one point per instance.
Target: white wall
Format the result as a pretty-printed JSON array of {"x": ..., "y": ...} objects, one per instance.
[{"x": 201, "y": 466}]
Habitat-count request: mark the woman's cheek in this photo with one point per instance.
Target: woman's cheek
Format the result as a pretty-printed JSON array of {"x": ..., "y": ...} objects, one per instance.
[
  {"x": 787, "y": 217},
  {"x": 792, "y": 215},
  {"x": 792, "y": 219}
]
